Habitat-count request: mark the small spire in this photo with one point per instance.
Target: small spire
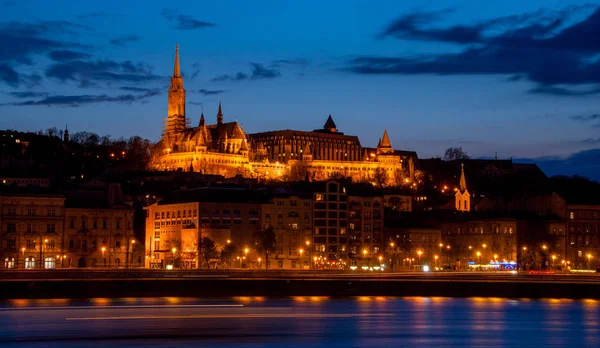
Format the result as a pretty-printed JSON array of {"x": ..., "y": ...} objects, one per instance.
[
  {"x": 220, "y": 114},
  {"x": 202, "y": 122},
  {"x": 177, "y": 69},
  {"x": 385, "y": 141},
  {"x": 463, "y": 180},
  {"x": 330, "y": 125}
]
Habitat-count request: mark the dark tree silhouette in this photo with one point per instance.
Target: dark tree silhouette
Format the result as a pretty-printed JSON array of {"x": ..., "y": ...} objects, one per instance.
[
  {"x": 264, "y": 242},
  {"x": 455, "y": 153}
]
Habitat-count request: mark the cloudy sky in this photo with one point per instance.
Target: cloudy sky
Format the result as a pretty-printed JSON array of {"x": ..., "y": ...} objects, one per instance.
[{"x": 520, "y": 78}]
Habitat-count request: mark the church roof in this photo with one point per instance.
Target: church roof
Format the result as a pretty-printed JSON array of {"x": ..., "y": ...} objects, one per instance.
[{"x": 329, "y": 124}]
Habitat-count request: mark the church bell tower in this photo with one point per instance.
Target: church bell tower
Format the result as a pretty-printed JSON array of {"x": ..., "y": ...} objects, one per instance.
[{"x": 176, "y": 114}]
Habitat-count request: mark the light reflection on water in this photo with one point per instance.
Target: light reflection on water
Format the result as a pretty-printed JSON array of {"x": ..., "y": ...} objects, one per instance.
[{"x": 322, "y": 321}]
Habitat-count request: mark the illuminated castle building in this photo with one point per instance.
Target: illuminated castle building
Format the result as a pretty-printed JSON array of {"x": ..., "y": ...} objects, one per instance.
[{"x": 224, "y": 148}]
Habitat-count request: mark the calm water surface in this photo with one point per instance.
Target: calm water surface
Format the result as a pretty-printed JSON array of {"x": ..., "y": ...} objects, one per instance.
[{"x": 301, "y": 322}]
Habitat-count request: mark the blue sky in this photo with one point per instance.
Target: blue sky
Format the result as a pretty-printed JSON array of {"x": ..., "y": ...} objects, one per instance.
[{"x": 520, "y": 78}]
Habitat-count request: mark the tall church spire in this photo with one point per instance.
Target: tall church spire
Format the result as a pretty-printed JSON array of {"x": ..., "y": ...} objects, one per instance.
[
  {"x": 463, "y": 180},
  {"x": 220, "y": 114},
  {"x": 177, "y": 69}
]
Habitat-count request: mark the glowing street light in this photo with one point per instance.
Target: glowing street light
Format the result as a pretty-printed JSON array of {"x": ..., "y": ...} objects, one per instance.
[
  {"x": 544, "y": 247},
  {"x": 392, "y": 244},
  {"x": 173, "y": 251},
  {"x": 589, "y": 257},
  {"x": 228, "y": 242},
  {"x": 495, "y": 257},
  {"x": 301, "y": 251},
  {"x": 380, "y": 258},
  {"x": 419, "y": 252},
  {"x": 479, "y": 256},
  {"x": 553, "y": 258},
  {"x": 435, "y": 257},
  {"x": 364, "y": 252},
  {"x": 246, "y": 250},
  {"x": 23, "y": 251}
]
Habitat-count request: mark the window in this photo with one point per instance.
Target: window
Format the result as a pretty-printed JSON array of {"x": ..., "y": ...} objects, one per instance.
[
  {"x": 50, "y": 244},
  {"x": 30, "y": 244},
  {"x": 118, "y": 244},
  {"x": 30, "y": 262},
  {"x": 9, "y": 262},
  {"x": 49, "y": 262},
  {"x": 318, "y": 196},
  {"x": 572, "y": 215},
  {"x": 236, "y": 212},
  {"x": 11, "y": 244},
  {"x": 156, "y": 245},
  {"x": 31, "y": 211},
  {"x": 72, "y": 223},
  {"x": 71, "y": 244},
  {"x": 294, "y": 226},
  {"x": 118, "y": 224},
  {"x": 12, "y": 211},
  {"x": 293, "y": 203},
  {"x": 51, "y": 228},
  {"x": 156, "y": 216},
  {"x": 94, "y": 244},
  {"x": 51, "y": 212},
  {"x": 30, "y": 228},
  {"x": 510, "y": 230},
  {"x": 279, "y": 203},
  {"x": 11, "y": 227}
]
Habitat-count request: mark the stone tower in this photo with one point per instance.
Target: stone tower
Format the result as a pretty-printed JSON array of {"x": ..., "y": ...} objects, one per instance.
[{"x": 176, "y": 115}]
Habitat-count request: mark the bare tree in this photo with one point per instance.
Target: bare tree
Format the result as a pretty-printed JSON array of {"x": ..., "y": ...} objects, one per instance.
[
  {"x": 380, "y": 177},
  {"x": 455, "y": 153}
]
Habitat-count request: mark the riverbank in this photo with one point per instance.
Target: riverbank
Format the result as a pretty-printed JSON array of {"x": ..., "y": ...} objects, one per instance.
[{"x": 130, "y": 283}]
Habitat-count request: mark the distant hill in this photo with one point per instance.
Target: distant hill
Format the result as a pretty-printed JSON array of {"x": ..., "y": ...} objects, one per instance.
[{"x": 584, "y": 163}]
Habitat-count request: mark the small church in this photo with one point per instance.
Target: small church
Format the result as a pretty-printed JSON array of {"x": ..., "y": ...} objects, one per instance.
[{"x": 463, "y": 198}]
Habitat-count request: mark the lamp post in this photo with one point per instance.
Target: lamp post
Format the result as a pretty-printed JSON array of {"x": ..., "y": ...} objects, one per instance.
[
  {"x": 589, "y": 257},
  {"x": 42, "y": 253},
  {"x": 309, "y": 254},
  {"x": 127, "y": 262},
  {"x": 479, "y": 256},
  {"x": 259, "y": 260},
  {"x": 470, "y": 252},
  {"x": 246, "y": 250},
  {"x": 393, "y": 256},
  {"x": 301, "y": 251},
  {"x": 23, "y": 253},
  {"x": 380, "y": 259},
  {"x": 484, "y": 246},
  {"x": 103, "y": 259},
  {"x": 364, "y": 255},
  {"x": 448, "y": 250},
  {"x": 419, "y": 252},
  {"x": 553, "y": 258},
  {"x": 435, "y": 257},
  {"x": 173, "y": 251}
]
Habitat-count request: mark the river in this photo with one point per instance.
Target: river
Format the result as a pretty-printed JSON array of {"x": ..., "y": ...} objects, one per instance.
[{"x": 301, "y": 322}]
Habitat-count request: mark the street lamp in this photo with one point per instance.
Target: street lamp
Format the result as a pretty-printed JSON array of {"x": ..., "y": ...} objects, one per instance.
[
  {"x": 484, "y": 246},
  {"x": 544, "y": 247},
  {"x": 496, "y": 257},
  {"x": 435, "y": 257},
  {"x": 259, "y": 260},
  {"x": 309, "y": 253},
  {"x": 553, "y": 258},
  {"x": 589, "y": 257},
  {"x": 173, "y": 251},
  {"x": 479, "y": 256},
  {"x": 419, "y": 252},
  {"x": 380, "y": 258},
  {"x": 103, "y": 250},
  {"x": 228, "y": 242},
  {"x": 301, "y": 251}
]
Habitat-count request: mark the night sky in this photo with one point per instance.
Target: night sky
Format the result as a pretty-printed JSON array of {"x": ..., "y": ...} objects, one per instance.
[{"x": 516, "y": 78}]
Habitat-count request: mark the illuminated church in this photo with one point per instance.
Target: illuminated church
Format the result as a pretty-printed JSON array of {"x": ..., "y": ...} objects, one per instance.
[{"x": 224, "y": 148}]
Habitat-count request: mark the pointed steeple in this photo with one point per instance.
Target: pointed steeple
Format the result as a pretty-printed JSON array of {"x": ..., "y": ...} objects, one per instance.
[
  {"x": 385, "y": 141},
  {"x": 66, "y": 134},
  {"x": 307, "y": 149},
  {"x": 330, "y": 125},
  {"x": 220, "y": 114},
  {"x": 202, "y": 122},
  {"x": 177, "y": 69},
  {"x": 463, "y": 181}
]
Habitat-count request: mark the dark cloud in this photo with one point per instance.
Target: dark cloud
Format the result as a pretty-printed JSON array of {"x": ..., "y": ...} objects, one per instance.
[
  {"x": 194, "y": 103},
  {"x": 591, "y": 141},
  {"x": 211, "y": 92},
  {"x": 585, "y": 163},
  {"x": 560, "y": 91},
  {"x": 196, "y": 72},
  {"x": 30, "y": 94},
  {"x": 123, "y": 40},
  {"x": 259, "y": 72},
  {"x": 89, "y": 73},
  {"x": 184, "y": 22},
  {"x": 80, "y": 100},
  {"x": 67, "y": 55},
  {"x": 545, "y": 47},
  {"x": 585, "y": 118},
  {"x": 298, "y": 62},
  {"x": 11, "y": 77},
  {"x": 137, "y": 89}
]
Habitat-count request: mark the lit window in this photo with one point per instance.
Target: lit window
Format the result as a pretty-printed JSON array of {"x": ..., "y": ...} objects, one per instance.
[
  {"x": 318, "y": 197},
  {"x": 9, "y": 262},
  {"x": 571, "y": 215},
  {"x": 49, "y": 262},
  {"x": 30, "y": 262}
]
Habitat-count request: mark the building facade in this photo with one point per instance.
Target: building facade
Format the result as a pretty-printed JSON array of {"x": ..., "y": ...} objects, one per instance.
[
  {"x": 224, "y": 148},
  {"x": 32, "y": 231},
  {"x": 583, "y": 235}
]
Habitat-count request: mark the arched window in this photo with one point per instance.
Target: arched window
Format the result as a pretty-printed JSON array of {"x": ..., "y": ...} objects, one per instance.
[
  {"x": 118, "y": 262},
  {"x": 49, "y": 263},
  {"x": 30, "y": 262},
  {"x": 9, "y": 263}
]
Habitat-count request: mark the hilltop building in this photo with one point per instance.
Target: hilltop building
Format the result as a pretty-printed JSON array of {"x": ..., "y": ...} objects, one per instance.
[{"x": 224, "y": 148}]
